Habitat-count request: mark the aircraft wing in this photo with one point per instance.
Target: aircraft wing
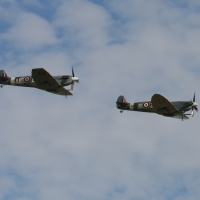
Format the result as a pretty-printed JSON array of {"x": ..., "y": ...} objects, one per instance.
[
  {"x": 45, "y": 81},
  {"x": 180, "y": 116},
  {"x": 162, "y": 105},
  {"x": 175, "y": 115},
  {"x": 60, "y": 90}
]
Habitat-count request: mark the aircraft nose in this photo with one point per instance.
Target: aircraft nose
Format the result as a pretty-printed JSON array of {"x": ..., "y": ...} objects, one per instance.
[
  {"x": 195, "y": 104},
  {"x": 75, "y": 79}
]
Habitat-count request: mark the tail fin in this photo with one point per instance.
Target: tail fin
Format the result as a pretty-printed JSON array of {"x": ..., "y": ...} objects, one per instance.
[
  {"x": 121, "y": 102},
  {"x": 3, "y": 73},
  {"x": 3, "y": 76}
]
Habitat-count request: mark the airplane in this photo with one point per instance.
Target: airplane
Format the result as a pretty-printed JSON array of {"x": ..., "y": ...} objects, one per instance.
[
  {"x": 160, "y": 105},
  {"x": 43, "y": 80}
]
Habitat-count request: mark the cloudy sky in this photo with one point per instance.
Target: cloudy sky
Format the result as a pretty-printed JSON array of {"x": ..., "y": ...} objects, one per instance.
[{"x": 81, "y": 147}]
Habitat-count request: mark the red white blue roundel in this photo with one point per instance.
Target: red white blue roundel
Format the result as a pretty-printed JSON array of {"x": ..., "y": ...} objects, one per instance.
[
  {"x": 27, "y": 79},
  {"x": 146, "y": 105}
]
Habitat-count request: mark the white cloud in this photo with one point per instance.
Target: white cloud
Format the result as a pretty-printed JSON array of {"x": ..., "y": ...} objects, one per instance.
[
  {"x": 82, "y": 147},
  {"x": 33, "y": 3},
  {"x": 83, "y": 22},
  {"x": 31, "y": 32}
]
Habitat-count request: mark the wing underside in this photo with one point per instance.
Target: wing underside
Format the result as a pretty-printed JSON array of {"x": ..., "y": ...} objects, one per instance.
[
  {"x": 45, "y": 81},
  {"x": 60, "y": 91},
  {"x": 176, "y": 115},
  {"x": 180, "y": 116}
]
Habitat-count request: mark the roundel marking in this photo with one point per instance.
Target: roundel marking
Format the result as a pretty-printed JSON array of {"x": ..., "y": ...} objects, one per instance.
[
  {"x": 27, "y": 79},
  {"x": 146, "y": 105}
]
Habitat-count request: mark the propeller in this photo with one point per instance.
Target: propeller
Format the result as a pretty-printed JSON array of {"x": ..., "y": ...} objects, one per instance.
[
  {"x": 72, "y": 72},
  {"x": 74, "y": 79},
  {"x": 194, "y": 105}
]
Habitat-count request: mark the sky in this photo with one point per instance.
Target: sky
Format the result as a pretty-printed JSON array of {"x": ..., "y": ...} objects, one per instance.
[{"x": 82, "y": 147}]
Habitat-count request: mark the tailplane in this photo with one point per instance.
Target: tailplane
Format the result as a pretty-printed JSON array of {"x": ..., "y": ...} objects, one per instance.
[
  {"x": 3, "y": 73},
  {"x": 3, "y": 76},
  {"x": 121, "y": 102}
]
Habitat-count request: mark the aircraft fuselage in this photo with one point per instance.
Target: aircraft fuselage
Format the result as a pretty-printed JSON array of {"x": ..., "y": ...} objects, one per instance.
[
  {"x": 28, "y": 81},
  {"x": 148, "y": 107}
]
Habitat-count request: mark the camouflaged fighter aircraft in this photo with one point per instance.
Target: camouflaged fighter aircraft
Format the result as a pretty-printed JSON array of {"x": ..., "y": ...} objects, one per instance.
[
  {"x": 160, "y": 105},
  {"x": 42, "y": 80}
]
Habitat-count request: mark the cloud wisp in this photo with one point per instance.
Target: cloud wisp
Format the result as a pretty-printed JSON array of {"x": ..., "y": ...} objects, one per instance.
[{"x": 81, "y": 147}]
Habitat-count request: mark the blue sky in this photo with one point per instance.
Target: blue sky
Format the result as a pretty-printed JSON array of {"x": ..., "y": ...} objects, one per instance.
[{"x": 81, "y": 147}]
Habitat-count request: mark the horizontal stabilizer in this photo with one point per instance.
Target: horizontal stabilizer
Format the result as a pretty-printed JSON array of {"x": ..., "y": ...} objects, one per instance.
[
  {"x": 4, "y": 79},
  {"x": 121, "y": 103},
  {"x": 3, "y": 76}
]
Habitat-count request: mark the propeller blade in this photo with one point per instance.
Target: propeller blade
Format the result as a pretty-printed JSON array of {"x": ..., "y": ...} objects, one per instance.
[
  {"x": 74, "y": 79},
  {"x": 73, "y": 72},
  {"x": 192, "y": 113},
  {"x": 72, "y": 86},
  {"x": 194, "y": 98},
  {"x": 194, "y": 106}
]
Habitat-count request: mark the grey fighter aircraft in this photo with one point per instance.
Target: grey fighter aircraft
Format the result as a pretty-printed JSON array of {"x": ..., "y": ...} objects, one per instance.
[
  {"x": 43, "y": 80},
  {"x": 160, "y": 105}
]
